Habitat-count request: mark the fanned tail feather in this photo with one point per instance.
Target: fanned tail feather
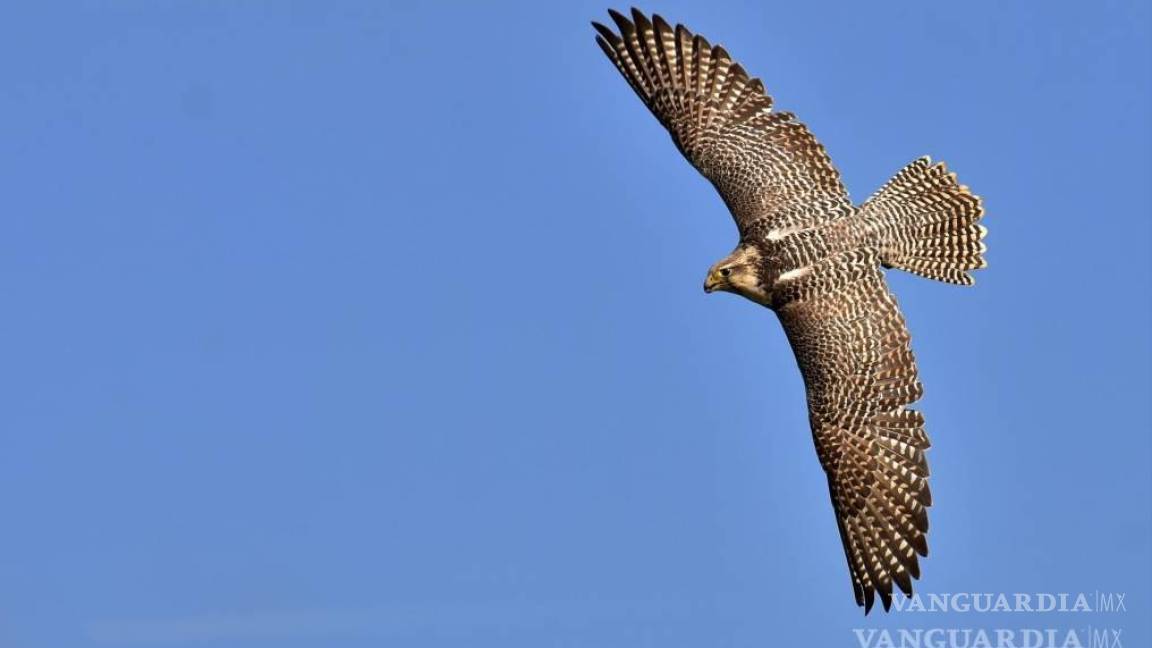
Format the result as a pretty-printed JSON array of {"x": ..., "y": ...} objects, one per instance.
[{"x": 927, "y": 223}]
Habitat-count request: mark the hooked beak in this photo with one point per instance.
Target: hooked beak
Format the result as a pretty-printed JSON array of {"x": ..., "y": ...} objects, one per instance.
[{"x": 711, "y": 283}]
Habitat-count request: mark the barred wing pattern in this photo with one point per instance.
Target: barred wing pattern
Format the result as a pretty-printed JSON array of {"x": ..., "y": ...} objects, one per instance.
[
  {"x": 766, "y": 165},
  {"x": 852, "y": 346}
]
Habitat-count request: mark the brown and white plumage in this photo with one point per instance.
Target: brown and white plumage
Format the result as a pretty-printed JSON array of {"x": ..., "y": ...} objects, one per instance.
[
  {"x": 761, "y": 162},
  {"x": 815, "y": 259}
]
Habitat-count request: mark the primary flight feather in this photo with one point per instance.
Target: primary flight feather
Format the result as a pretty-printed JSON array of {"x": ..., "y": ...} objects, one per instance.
[{"x": 807, "y": 253}]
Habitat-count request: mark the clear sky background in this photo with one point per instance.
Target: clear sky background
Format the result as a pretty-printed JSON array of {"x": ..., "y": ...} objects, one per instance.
[{"x": 380, "y": 324}]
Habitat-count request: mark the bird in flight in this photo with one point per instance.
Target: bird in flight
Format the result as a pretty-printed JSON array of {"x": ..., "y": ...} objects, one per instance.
[{"x": 811, "y": 256}]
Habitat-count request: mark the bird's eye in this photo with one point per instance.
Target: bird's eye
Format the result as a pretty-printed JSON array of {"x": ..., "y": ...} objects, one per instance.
[{"x": 724, "y": 272}]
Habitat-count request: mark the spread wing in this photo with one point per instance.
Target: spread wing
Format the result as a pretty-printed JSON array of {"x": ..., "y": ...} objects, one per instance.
[
  {"x": 766, "y": 165},
  {"x": 853, "y": 350}
]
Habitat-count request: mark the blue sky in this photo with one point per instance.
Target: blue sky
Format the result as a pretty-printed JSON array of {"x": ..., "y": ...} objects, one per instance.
[{"x": 366, "y": 324}]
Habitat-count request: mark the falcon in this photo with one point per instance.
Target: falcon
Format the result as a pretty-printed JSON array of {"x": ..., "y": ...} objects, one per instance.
[{"x": 815, "y": 259}]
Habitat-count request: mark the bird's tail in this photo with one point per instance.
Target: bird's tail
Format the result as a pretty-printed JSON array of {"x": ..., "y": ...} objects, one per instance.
[{"x": 926, "y": 223}]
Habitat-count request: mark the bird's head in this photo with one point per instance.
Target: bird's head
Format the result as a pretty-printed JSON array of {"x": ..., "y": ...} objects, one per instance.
[{"x": 738, "y": 273}]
